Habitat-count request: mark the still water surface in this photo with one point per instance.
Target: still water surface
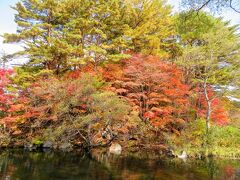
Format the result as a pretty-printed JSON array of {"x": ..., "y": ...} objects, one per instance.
[{"x": 24, "y": 165}]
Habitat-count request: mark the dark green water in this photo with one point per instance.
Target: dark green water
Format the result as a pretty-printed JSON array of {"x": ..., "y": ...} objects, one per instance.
[{"x": 24, "y": 165}]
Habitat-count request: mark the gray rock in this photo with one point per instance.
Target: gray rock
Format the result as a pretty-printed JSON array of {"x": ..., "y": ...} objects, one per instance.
[
  {"x": 47, "y": 144},
  {"x": 183, "y": 155},
  {"x": 115, "y": 148},
  {"x": 29, "y": 146}
]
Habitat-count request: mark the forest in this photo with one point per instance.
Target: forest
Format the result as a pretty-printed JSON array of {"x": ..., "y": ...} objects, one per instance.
[{"x": 131, "y": 73}]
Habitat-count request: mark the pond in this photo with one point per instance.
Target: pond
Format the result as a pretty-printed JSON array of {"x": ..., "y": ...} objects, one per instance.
[{"x": 24, "y": 165}]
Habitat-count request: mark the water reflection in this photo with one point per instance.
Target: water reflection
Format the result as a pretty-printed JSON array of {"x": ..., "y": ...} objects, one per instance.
[{"x": 25, "y": 165}]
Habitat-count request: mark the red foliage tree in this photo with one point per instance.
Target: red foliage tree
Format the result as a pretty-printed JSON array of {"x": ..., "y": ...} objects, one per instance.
[
  {"x": 12, "y": 103},
  {"x": 154, "y": 88},
  {"x": 5, "y": 97},
  {"x": 219, "y": 115}
]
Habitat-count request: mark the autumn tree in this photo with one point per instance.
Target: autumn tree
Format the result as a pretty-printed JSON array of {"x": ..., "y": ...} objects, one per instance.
[
  {"x": 12, "y": 103},
  {"x": 219, "y": 114},
  {"x": 154, "y": 88},
  {"x": 5, "y": 98}
]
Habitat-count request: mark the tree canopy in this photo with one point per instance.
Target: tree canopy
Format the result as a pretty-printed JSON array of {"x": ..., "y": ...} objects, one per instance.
[{"x": 60, "y": 35}]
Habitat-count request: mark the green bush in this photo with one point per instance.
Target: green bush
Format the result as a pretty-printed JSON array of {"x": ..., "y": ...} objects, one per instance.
[
  {"x": 220, "y": 141},
  {"x": 226, "y": 136}
]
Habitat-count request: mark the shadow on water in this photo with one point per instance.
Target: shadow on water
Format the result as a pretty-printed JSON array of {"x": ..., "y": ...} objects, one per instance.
[{"x": 24, "y": 165}]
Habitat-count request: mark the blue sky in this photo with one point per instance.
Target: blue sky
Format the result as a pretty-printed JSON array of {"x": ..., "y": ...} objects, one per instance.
[{"x": 8, "y": 25}]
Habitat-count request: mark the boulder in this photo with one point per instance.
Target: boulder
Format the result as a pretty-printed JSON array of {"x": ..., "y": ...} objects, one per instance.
[
  {"x": 30, "y": 146},
  {"x": 183, "y": 155},
  {"x": 115, "y": 148},
  {"x": 47, "y": 144}
]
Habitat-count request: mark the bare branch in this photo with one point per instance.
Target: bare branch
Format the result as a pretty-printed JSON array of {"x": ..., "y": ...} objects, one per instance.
[
  {"x": 218, "y": 4},
  {"x": 201, "y": 7},
  {"x": 233, "y": 8}
]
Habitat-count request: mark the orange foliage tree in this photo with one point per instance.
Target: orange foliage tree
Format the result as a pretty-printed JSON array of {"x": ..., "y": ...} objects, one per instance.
[{"x": 152, "y": 87}]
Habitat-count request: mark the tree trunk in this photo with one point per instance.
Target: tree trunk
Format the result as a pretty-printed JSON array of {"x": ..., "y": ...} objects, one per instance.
[
  {"x": 208, "y": 116},
  {"x": 209, "y": 106}
]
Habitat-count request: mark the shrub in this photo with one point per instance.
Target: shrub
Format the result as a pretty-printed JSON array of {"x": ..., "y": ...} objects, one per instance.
[
  {"x": 221, "y": 140},
  {"x": 79, "y": 110}
]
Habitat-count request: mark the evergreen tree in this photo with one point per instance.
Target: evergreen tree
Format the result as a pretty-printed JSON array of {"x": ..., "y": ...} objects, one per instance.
[
  {"x": 39, "y": 29},
  {"x": 64, "y": 34},
  {"x": 151, "y": 27},
  {"x": 95, "y": 31},
  {"x": 61, "y": 34}
]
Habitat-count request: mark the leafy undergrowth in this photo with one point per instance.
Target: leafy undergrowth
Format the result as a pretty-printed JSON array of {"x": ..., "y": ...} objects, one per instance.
[{"x": 222, "y": 141}]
